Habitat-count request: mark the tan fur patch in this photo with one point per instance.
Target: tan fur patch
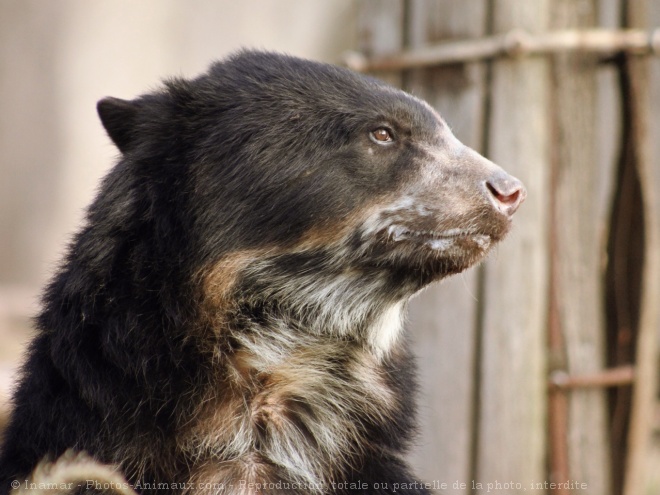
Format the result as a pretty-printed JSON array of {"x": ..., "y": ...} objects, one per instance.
[
  {"x": 71, "y": 471},
  {"x": 216, "y": 283},
  {"x": 241, "y": 368},
  {"x": 269, "y": 408},
  {"x": 220, "y": 427},
  {"x": 240, "y": 476},
  {"x": 219, "y": 279},
  {"x": 332, "y": 232}
]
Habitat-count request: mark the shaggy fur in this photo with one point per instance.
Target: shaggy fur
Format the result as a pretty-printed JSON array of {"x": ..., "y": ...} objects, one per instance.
[{"x": 229, "y": 318}]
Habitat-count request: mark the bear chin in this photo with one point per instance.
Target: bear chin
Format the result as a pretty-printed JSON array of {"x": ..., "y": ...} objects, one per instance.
[{"x": 423, "y": 257}]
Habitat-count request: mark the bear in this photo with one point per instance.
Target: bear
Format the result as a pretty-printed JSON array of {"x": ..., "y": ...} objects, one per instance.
[{"x": 229, "y": 318}]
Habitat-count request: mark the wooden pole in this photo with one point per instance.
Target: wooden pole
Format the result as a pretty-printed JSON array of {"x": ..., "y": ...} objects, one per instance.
[
  {"x": 614, "y": 377},
  {"x": 577, "y": 288},
  {"x": 515, "y": 43},
  {"x": 444, "y": 319},
  {"x": 636, "y": 78},
  {"x": 380, "y": 31},
  {"x": 512, "y": 440}
]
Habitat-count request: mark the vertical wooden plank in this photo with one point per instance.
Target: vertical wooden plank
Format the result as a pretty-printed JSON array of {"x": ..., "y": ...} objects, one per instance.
[
  {"x": 381, "y": 31},
  {"x": 511, "y": 443},
  {"x": 651, "y": 478},
  {"x": 646, "y": 354},
  {"x": 443, "y": 319},
  {"x": 650, "y": 350},
  {"x": 577, "y": 279},
  {"x": 608, "y": 121},
  {"x": 457, "y": 91}
]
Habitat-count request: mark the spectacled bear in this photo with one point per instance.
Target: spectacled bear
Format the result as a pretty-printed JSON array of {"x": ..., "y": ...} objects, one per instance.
[{"x": 229, "y": 318}]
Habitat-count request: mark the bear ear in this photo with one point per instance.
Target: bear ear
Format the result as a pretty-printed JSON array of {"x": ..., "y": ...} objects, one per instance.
[{"x": 119, "y": 118}]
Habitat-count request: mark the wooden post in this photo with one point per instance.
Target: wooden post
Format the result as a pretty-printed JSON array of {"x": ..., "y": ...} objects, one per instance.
[
  {"x": 511, "y": 445},
  {"x": 443, "y": 320},
  {"x": 576, "y": 239},
  {"x": 635, "y": 84},
  {"x": 380, "y": 31},
  {"x": 653, "y": 176}
]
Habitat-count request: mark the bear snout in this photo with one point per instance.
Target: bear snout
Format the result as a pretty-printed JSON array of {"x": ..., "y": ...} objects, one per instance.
[{"x": 505, "y": 192}]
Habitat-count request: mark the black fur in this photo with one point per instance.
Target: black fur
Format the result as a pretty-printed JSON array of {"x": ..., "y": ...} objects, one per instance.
[{"x": 230, "y": 311}]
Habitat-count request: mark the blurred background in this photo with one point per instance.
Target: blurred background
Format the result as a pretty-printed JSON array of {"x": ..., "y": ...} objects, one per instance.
[{"x": 538, "y": 367}]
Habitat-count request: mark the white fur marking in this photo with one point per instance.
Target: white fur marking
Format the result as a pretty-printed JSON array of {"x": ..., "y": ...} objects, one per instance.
[
  {"x": 441, "y": 244},
  {"x": 385, "y": 331}
]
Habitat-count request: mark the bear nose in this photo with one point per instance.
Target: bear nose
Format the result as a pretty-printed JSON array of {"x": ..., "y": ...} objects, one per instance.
[{"x": 507, "y": 192}]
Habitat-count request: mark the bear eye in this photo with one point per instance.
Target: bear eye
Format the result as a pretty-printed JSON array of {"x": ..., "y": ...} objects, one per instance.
[{"x": 382, "y": 135}]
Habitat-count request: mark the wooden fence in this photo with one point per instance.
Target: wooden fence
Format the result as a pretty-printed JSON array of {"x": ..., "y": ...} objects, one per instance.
[{"x": 540, "y": 366}]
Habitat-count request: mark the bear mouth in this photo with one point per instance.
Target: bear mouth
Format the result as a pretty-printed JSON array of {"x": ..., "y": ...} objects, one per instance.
[{"x": 440, "y": 241}]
